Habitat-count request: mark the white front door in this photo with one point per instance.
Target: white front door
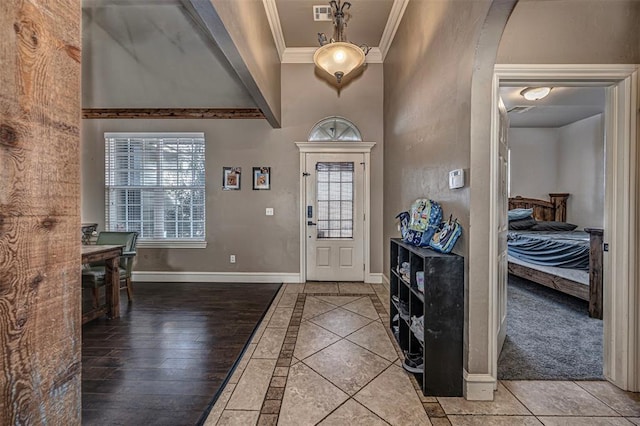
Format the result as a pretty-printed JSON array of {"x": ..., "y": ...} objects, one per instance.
[
  {"x": 334, "y": 202},
  {"x": 502, "y": 201}
]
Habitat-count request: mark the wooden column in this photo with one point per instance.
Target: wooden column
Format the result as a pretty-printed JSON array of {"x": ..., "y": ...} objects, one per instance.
[
  {"x": 40, "y": 334},
  {"x": 595, "y": 272}
]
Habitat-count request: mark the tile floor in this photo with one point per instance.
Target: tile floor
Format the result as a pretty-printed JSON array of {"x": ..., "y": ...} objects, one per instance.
[{"x": 323, "y": 356}]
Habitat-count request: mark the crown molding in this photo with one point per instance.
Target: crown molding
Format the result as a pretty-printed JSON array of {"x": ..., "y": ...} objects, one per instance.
[
  {"x": 395, "y": 16},
  {"x": 276, "y": 28},
  {"x": 304, "y": 55}
]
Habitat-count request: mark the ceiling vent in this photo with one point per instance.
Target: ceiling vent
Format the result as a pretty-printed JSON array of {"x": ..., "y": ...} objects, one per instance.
[
  {"x": 322, "y": 13},
  {"x": 521, "y": 109}
]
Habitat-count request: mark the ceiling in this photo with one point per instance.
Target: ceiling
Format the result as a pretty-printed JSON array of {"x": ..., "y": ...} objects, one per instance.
[
  {"x": 366, "y": 26},
  {"x": 564, "y": 105}
]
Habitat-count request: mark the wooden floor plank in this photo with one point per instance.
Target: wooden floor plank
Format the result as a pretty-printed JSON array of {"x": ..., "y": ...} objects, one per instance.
[{"x": 167, "y": 355}]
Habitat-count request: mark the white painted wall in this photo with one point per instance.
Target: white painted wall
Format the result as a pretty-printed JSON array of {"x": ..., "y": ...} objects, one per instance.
[
  {"x": 581, "y": 170},
  {"x": 534, "y": 156},
  {"x": 564, "y": 159}
]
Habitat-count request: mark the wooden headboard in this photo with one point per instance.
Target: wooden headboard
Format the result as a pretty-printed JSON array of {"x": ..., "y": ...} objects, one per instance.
[{"x": 554, "y": 209}]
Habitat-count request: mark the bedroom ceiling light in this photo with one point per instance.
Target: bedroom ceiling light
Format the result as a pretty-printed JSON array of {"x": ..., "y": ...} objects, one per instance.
[
  {"x": 535, "y": 93},
  {"x": 337, "y": 56}
]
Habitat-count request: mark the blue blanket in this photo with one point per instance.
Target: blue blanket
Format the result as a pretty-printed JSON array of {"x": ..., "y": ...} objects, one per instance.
[{"x": 561, "y": 249}]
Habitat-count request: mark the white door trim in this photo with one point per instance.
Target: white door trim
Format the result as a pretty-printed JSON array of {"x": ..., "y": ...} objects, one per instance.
[
  {"x": 336, "y": 148},
  {"x": 622, "y": 295}
]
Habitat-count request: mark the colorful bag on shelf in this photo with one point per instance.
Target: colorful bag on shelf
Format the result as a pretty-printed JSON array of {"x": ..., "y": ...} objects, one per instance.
[
  {"x": 446, "y": 236},
  {"x": 419, "y": 224}
]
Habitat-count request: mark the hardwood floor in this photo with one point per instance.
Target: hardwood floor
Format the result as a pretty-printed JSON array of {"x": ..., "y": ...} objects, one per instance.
[{"x": 165, "y": 358}]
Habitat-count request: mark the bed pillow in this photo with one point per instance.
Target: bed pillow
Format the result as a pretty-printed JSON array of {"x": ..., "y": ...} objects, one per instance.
[
  {"x": 522, "y": 224},
  {"x": 553, "y": 226},
  {"x": 517, "y": 214}
]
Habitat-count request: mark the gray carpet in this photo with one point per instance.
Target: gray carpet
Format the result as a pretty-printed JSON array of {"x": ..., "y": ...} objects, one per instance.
[{"x": 549, "y": 336}]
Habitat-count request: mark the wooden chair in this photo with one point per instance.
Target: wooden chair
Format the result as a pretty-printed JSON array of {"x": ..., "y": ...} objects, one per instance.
[{"x": 94, "y": 273}]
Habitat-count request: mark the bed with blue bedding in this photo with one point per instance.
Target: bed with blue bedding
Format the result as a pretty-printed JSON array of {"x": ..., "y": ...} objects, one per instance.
[{"x": 542, "y": 250}]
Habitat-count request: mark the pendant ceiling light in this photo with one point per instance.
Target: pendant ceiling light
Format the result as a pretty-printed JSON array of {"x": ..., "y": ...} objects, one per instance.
[{"x": 338, "y": 57}]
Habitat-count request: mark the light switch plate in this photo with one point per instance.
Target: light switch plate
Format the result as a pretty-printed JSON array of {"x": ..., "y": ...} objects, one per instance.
[{"x": 269, "y": 211}]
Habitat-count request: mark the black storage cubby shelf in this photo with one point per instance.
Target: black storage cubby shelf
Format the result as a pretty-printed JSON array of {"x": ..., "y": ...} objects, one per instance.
[{"x": 441, "y": 303}]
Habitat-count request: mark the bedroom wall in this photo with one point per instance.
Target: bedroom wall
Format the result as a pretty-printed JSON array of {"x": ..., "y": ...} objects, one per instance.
[
  {"x": 236, "y": 223},
  {"x": 534, "y": 161},
  {"x": 581, "y": 170}
]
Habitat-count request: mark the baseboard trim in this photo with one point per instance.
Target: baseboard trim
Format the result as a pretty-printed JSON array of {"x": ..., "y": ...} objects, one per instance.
[
  {"x": 215, "y": 277},
  {"x": 375, "y": 278},
  {"x": 478, "y": 387}
]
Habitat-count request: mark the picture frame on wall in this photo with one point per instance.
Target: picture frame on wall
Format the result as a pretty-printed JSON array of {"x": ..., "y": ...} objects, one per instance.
[
  {"x": 231, "y": 178},
  {"x": 262, "y": 178}
]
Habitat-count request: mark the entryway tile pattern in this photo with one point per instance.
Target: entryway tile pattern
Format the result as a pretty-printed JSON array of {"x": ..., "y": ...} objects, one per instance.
[{"x": 323, "y": 355}]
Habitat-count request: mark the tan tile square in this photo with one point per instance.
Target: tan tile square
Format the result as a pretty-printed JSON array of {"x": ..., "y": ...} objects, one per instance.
[
  {"x": 504, "y": 403},
  {"x": 338, "y": 300},
  {"x": 364, "y": 307},
  {"x": 294, "y": 288},
  {"x": 625, "y": 403},
  {"x": 252, "y": 387},
  {"x": 634, "y": 420},
  {"x": 494, "y": 421},
  {"x": 218, "y": 407},
  {"x": 584, "y": 421},
  {"x": 308, "y": 398},
  {"x": 281, "y": 371},
  {"x": 557, "y": 398},
  {"x": 275, "y": 393},
  {"x": 352, "y": 413},
  {"x": 312, "y": 338},
  {"x": 288, "y": 300},
  {"x": 271, "y": 406},
  {"x": 375, "y": 338},
  {"x": 238, "y": 418},
  {"x": 341, "y": 321},
  {"x": 314, "y": 307},
  {"x": 346, "y": 365},
  {"x": 321, "y": 288},
  {"x": 278, "y": 382},
  {"x": 355, "y": 288},
  {"x": 440, "y": 421},
  {"x": 270, "y": 343},
  {"x": 237, "y": 373},
  {"x": 281, "y": 317},
  {"x": 392, "y": 397}
]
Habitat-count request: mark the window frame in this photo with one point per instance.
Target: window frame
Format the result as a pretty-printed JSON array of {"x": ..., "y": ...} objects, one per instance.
[{"x": 146, "y": 242}]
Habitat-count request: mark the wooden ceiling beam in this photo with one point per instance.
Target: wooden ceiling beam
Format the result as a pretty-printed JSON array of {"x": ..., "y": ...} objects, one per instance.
[{"x": 184, "y": 113}]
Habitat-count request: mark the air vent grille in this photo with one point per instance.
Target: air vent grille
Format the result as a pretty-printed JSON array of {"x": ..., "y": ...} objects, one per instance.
[
  {"x": 322, "y": 13},
  {"x": 521, "y": 109}
]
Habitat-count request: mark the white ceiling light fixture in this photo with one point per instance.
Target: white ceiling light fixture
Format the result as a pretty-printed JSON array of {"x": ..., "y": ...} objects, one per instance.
[
  {"x": 337, "y": 56},
  {"x": 535, "y": 93}
]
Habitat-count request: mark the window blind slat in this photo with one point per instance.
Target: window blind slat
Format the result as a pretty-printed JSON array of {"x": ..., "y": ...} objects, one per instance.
[{"x": 155, "y": 185}]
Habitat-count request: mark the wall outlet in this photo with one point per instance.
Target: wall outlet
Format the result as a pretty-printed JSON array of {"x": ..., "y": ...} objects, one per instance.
[
  {"x": 232, "y": 258},
  {"x": 269, "y": 211}
]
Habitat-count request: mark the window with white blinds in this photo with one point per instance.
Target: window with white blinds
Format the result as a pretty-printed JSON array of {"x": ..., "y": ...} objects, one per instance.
[
  {"x": 334, "y": 193},
  {"x": 155, "y": 185}
]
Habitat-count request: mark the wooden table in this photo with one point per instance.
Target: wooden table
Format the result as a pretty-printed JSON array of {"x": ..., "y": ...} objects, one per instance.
[{"x": 110, "y": 254}]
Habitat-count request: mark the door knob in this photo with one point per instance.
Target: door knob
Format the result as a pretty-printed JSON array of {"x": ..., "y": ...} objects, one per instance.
[{"x": 310, "y": 223}]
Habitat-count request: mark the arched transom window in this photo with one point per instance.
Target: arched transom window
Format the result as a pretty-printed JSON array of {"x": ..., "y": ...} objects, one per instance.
[{"x": 335, "y": 128}]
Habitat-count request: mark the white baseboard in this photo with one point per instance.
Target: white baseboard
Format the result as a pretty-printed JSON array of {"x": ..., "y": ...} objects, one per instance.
[
  {"x": 374, "y": 278},
  {"x": 478, "y": 387},
  {"x": 215, "y": 277}
]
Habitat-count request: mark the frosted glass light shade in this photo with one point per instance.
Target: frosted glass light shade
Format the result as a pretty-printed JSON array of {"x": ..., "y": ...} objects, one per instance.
[
  {"x": 338, "y": 58},
  {"x": 535, "y": 93}
]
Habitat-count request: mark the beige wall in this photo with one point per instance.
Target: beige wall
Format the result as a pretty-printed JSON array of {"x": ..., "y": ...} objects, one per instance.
[
  {"x": 427, "y": 111},
  {"x": 236, "y": 223},
  {"x": 572, "y": 31},
  {"x": 534, "y": 161}
]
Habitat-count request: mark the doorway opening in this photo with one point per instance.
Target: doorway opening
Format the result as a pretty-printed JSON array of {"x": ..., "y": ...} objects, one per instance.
[
  {"x": 555, "y": 155},
  {"x": 619, "y": 272}
]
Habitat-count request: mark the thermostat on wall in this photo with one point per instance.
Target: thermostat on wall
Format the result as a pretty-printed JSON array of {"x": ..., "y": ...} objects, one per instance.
[{"x": 456, "y": 178}]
